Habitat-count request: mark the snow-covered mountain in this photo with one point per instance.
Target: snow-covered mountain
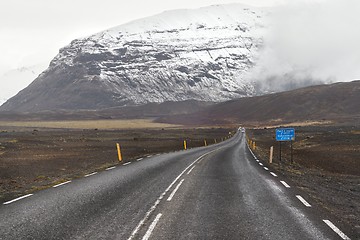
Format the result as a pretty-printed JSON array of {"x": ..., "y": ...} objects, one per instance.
[{"x": 200, "y": 54}]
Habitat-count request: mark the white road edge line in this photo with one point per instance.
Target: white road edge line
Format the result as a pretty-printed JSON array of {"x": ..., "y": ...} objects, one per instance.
[
  {"x": 157, "y": 202},
  {"x": 182, "y": 173},
  {"x": 110, "y": 168},
  {"x": 61, "y": 184},
  {"x": 126, "y": 163},
  {"x": 285, "y": 184},
  {"x": 266, "y": 168},
  {"x": 175, "y": 190},
  {"x": 17, "y": 199},
  {"x": 90, "y": 174},
  {"x": 149, "y": 156},
  {"x": 303, "y": 201},
  {"x": 261, "y": 164},
  {"x": 139, "y": 159},
  {"x": 190, "y": 170},
  {"x": 335, "y": 229},
  {"x": 152, "y": 227},
  {"x": 273, "y": 174}
]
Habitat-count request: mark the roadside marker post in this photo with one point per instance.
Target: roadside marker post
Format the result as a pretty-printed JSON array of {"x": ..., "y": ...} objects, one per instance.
[
  {"x": 271, "y": 154},
  {"x": 254, "y": 145},
  {"x": 215, "y": 141},
  {"x": 205, "y": 143},
  {"x": 185, "y": 147},
  {"x": 119, "y": 152}
]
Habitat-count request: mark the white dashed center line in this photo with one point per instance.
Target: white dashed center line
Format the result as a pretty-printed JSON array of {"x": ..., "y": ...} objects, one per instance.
[
  {"x": 261, "y": 164},
  {"x": 175, "y": 190},
  {"x": 190, "y": 170},
  {"x": 152, "y": 227},
  {"x": 266, "y": 168},
  {"x": 157, "y": 202},
  {"x": 273, "y": 174}
]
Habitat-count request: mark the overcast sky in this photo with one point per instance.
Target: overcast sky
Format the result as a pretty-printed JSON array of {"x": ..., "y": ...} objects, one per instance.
[{"x": 32, "y": 31}]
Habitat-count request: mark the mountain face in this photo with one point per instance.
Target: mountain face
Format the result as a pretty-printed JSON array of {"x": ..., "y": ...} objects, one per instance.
[{"x": 200, "y": 54}]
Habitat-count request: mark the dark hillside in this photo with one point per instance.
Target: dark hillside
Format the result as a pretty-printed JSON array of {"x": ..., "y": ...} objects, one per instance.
[{"x": 339, "y": 101}]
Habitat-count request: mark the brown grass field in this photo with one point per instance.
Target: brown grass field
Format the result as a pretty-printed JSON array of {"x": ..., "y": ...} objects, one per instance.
[{"x": 89, "y": 124}]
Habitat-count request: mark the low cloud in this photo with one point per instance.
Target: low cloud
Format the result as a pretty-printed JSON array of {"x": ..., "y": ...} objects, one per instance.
[{"x": 309, "y": 43}]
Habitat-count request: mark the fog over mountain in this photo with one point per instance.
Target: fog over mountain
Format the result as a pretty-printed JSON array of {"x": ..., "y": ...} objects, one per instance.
[
  {"x": 310, "y": 43},
  {"x": 19, "y": 78}
]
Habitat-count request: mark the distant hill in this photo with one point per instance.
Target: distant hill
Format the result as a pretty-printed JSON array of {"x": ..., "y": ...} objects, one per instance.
[{"x": 337, "y": 102}]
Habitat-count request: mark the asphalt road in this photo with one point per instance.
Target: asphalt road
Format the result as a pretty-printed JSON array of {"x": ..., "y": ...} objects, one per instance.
[{"x": 215, "y": 192}]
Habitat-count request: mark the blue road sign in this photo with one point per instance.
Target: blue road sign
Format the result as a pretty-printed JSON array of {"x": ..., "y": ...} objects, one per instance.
[{"x": 285, "y": 134}]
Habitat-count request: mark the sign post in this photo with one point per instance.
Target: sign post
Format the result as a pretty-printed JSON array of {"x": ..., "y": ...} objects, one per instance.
[
  {"x": 283, "y": 135},
  {"x": 291, "y": 147},
  {"x": 280, "y": 151}
]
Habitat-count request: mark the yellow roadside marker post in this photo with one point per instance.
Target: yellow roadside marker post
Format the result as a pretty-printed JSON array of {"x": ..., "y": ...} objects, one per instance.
[
  {"x": 205, "y": 143},
  {"x": 185, "y": 147},
  {"x": 119, "y": 152}
]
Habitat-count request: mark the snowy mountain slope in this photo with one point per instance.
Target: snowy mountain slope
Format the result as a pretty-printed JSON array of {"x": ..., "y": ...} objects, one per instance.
[{"x": 199, "y": 54}]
